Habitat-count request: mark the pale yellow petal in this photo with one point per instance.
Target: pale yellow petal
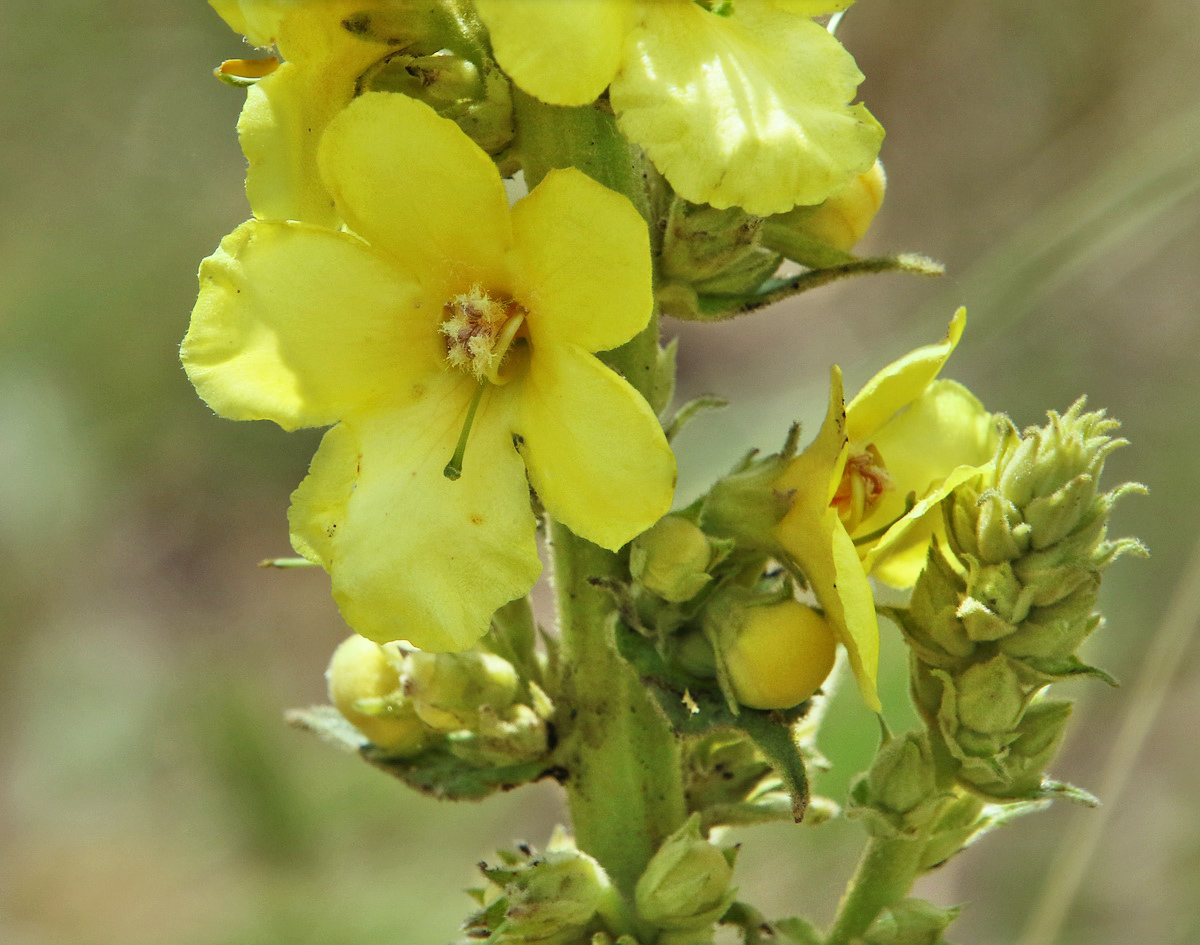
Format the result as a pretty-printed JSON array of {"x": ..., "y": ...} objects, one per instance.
[
  {"x": 751, "y": 110},
  {"x": 595, "y": 452},
  {"x": 415, "y": 186},
  {"x": 304, "y": 326},
  {"x": 582, "y": 262},
  {"x": 564, "y": 52},
  {"x": 413, "y": 555},
  {"x": 900, "y": 383}
]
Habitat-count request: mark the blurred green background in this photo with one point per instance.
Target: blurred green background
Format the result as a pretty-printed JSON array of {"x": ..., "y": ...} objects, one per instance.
[{"x": 1049, "y": 154}]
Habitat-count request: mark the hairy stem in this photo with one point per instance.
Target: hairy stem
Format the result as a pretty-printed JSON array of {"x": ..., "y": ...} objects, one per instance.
[
  {"x": 624, "y": 777},
  {"x": 885, "y": 874}
]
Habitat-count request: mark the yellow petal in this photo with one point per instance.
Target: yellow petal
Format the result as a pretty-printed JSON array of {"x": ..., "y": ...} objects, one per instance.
[
  {"x": 595, "y": 452},
  {"x": 749, "y": 110},
  {"x": 413, "y": 555},
  {"x": 813, "y": 537},
  {"x": 287, "y": 112},
  {"x": 582, "y": 257},
  {"x": 564, "y": 52},
  {"x": 898, "y": 558},
  {"x": 942, "y": 439},
  {"x": 415, "y": 186},
  {"x": 304, "y": 326},
  {"x": 900, "y": 383}
]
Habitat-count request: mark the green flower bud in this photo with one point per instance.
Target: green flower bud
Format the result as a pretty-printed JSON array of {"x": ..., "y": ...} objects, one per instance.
[
  {"x": 701, "y": 242},
  {"x": 448, "y": 689},
  {"x": 902, "y": 776},
  {"x": 1056, "y": 631},
  {"x": 553, "y": 899},
  {"x": 364, "y": 685},
  {"x": 777, "y": 655},
  {"x": 671, "y": 559},
  {"x": 910, "y": 922},
  {"x": 990, "y": 697},
  {"x": 1022, "y": 766},
  {"x": 686, "y": 883}
]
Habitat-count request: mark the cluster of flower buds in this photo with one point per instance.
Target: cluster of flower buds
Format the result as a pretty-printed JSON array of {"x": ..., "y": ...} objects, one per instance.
[
  {"x": 1000, "y": 616},
  {"x": 713, "y": 254},
  {"x": 404, "y": 701},
  {"x": 562, "y": 896}
]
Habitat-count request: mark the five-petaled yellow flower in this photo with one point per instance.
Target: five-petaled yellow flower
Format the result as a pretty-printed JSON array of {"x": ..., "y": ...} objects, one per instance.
[
  {"x": 442, "y": 313},
  {"x": 864, "y": 489},
  {"x": 745, "y": 105}
]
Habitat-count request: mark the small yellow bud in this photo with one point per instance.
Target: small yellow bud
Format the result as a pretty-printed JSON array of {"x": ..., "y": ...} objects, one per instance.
[
  {"x": 448, "y": 689},
  {"x": 671, "y": 559},
  {"x": 359, "y": 675},
  {"x": 844, "y": 218},
  {"x": 780, "y": 655}
]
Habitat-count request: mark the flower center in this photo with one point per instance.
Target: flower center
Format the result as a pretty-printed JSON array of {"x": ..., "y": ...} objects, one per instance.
[
  {"x": 864, "y": 481},
  {"x": 479, "y": 330}
]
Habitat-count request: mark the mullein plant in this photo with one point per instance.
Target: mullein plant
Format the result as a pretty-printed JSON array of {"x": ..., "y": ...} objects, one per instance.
[{"x": 497, "y": 393}]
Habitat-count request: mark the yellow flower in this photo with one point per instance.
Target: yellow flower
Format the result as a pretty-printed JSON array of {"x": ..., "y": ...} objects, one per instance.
[
  {"x": 441, "y": 304},
  {"x": 864, "y": 489},
  {"x": 749, "y": 108},
  {"x": 326, "y": 46}
]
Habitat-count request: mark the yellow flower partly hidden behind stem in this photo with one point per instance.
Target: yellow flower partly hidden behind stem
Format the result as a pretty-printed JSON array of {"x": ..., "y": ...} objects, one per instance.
[
  {"x": 449, "y": 340},
  {"x": 738, "y": 103}
]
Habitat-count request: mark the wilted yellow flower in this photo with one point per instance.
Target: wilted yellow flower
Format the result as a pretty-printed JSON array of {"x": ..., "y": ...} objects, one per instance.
[
  {"x": 747, "y": 105},
  {"x": 442, "y": 307}
]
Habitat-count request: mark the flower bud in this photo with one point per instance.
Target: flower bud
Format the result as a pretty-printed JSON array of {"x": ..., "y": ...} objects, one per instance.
[
  {"x": 686, "y": 883},
  {"x": 364, "y": 685},
  {"x": 990, "y": 697},
  {"x": 671, "y": 559},
  {"x": 902, "y": 776},
  {"x": 553, "y": 899},
  {"x": 843, "y": 219},
  {"x": 515, "y": 736},
  {"x": 448, "y": 689},
  {"x": 779, "y": 654}
]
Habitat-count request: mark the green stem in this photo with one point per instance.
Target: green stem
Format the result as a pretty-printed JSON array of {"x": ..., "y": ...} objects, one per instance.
[
  {"x": 624, "y": 776},
  {"x": 624, "y": 783},
  {"x": 885, "y": 874}
]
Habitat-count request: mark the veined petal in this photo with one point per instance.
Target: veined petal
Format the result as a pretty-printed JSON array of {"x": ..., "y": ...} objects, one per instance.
[
  {"x": 593, "y": 448},
  {"x": 564, "y": 52},
  {"x": 304, "y": 326},
  {"x": 900, "y": 383},
  {"x": 413, "y": 555},
  {"x": 749, "y": 110},
  {"x": 582, "y": 257},
  {"x": 415, "y": 186},
  {"x": 813, "y": 537}
]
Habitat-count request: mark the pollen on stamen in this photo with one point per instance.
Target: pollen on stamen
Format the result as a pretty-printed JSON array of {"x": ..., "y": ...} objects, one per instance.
[{"x": 475, "y": 332}]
